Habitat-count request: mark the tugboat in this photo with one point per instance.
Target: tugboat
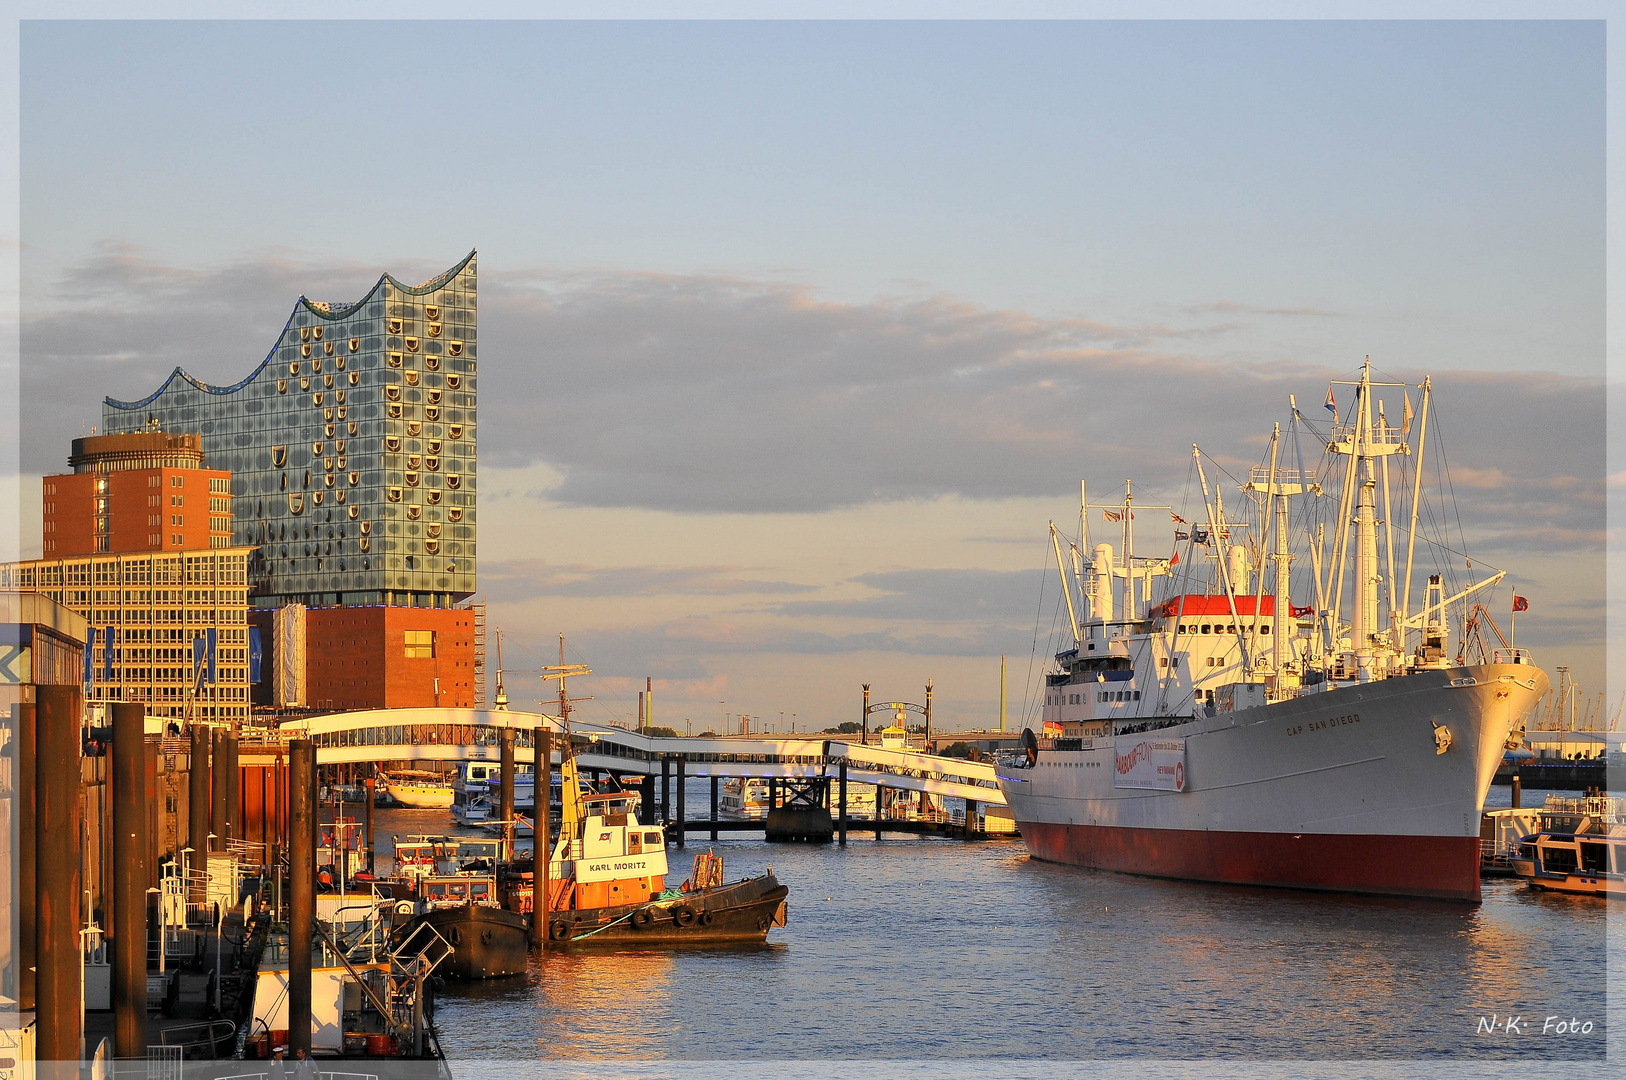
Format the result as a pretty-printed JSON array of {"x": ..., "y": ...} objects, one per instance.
[
  {"x": 607, "y": 883},
  {"x": 487, "y": 939}
]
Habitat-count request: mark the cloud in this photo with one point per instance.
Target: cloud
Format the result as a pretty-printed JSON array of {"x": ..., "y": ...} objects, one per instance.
[
  {"x": 530, "y": 578},
  {"x": 944, "y": 596},
  {"x": 708, "y": 393}
]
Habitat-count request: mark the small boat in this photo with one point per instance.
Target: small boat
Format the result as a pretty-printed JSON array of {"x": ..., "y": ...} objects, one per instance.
[
  {"x": 1581, "y": 849},
  {"x": 743, "y": 798},
  {"x": 418, "y": 789},
  {"x": 488, "y": 940},
  {"x": 424, "y": 856},
  {"x": 470, "y": 809}
]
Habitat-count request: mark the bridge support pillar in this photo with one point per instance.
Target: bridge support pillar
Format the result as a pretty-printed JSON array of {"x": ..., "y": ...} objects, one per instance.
[
  {"x": 666, "y": 788},
  {"x": 773, "y": 793},
  {"x": 714, "y": 808},
  {"x": 841, "y": 802},
  {"x": 682, "y": 812},
  {"x": 971, "y": 818}
]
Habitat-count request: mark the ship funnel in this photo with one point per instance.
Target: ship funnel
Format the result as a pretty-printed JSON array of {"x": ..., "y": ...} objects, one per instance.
[
  {"x": 1103, "y": 583},
  {"x": 1238, "y": 569}
]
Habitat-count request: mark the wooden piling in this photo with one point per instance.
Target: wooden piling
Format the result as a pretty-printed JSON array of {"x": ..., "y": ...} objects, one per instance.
[
  {"x": 58, "y": 882},
  {"x": 197, "y": 809},
  {"x": 232, "y": 826},
  {"x": 880, "y": 805},
  {"x": 218, "y": 789},
  {"x": 26, "y": 847},
  {"x": 542, "y": 772},
  {"x": 302, "y": 817},
  {"x": 1518, "y": 791},
  {"x": 370, "y": 786},
  {"x": 841, "y": 802},
  {"x": 714, "y": 807},
  {"x": 666, "y": 788},
  {"x": 505, "y": 789},
  {"x": 681, "y": 816},
  {"x": 130, "y": 875}
]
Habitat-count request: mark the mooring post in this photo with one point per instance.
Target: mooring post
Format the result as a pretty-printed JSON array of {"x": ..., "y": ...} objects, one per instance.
[
  {"x": 302, "y": 885},
  {"x": 542, "y": 772},
  {"x": 26, "y": 847},
  {"x": 217, "y": 789},
  {"x": 234, "y": 811},
  {"x": 714, "y": 807},
  {"x": 1518, "y": 790},
  {"x": 58, "y": 876},
  {"x": 682, "y": 812},
  {"x": 505, "y": 798},
  {"x": 841, "y": 801},
  {"x": 130, "y": 873},
  {"x": 370, "y": 788},
  {"x": 197, "y": 809},
  {"x": 666, "y": 789}
]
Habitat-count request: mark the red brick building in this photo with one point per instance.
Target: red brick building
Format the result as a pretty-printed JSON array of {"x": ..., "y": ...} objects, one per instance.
[
  {"x": 389, "y": 658},
  {"x": 144, "y": 491}
]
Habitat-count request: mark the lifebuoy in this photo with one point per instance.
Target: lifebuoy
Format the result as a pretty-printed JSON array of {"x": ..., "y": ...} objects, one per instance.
[
  {"x": 683, "y": 915},
  {"x": 641, "y": 918},
  {"x": 558, "y": 931}
]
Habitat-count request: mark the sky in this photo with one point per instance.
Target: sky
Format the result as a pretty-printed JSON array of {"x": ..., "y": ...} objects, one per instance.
[{"x": 796, "y": 335}]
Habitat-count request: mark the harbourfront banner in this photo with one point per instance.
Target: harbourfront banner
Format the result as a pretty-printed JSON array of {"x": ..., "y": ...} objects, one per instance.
[{"x": 1145, "y": 761}]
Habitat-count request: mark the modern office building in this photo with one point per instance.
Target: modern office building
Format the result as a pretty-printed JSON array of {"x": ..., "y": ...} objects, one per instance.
[
  {"x": 351, "y": 447},
  {"x": 141, "y": 491},
  {"x": 151, "y": 619}
]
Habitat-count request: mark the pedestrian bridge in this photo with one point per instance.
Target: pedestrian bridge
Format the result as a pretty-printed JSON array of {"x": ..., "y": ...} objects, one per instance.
[{"x": 476, "y": 735}]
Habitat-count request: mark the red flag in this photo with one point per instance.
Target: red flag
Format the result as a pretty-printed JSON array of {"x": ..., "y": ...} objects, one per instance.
[
  {"x": 1297, "y": 612},
  {"x": 1178, "y": 520},
  {"x": 1520, "y": 603},
  {"x": 1174, "y": 560}
]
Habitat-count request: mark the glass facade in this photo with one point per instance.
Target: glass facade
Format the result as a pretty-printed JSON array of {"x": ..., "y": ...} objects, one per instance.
[{"x": 351, "y": 447}]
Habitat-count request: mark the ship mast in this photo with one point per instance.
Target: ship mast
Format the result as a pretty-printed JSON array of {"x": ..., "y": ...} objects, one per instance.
[{"x": 570, "y": 796}]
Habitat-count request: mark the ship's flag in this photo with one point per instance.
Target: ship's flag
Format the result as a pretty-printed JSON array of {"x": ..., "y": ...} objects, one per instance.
[
  {"x": 1298, "y": 612},
  {"x": 1199, "y": 536},
  {"x": 1112, "y": 515},
  {"x": 1178, "y": 520},
  {"x": 1178, "y": 535},
  {"x": 1405, "y": 416},
  {"x": 1174, "y": 560},
  {"x": 1520, "y": 603},
  {"x": 1332, "y": 402}
]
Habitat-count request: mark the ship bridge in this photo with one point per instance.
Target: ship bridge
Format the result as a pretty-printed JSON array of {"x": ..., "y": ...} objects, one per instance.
[{"x": 476, "y": 735}]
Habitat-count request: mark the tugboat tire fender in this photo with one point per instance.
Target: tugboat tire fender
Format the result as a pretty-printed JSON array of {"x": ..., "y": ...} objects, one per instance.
[
  {"x": 641, "y": 918},
  {"x": 705, "y": 918},
  {"x": 683, "y": 915},
  {"x": 558, "y": 930}
]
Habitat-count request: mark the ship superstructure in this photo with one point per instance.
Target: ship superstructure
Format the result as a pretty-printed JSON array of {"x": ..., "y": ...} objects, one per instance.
[{"x": 1200, "y": 724}]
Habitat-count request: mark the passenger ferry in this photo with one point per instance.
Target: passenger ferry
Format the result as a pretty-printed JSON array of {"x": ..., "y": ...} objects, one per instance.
[{"x": 1581, "y": 848}]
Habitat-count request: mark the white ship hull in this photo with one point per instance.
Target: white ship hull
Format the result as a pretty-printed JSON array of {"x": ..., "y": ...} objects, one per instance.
[
  {"x": 1342, "y": 790},
  {"x": 421, "y": 796}
]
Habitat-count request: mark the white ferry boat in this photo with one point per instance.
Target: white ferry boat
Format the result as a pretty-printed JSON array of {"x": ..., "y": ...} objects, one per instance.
[{"x": 1201, "y": 725}]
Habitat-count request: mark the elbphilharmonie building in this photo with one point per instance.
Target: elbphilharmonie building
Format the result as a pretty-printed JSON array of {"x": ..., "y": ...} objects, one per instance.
[{"x": 351, "y": 446}]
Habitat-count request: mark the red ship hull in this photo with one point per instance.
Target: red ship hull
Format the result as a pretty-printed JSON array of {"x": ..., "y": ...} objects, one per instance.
[{"x": 1446, "y": 867}]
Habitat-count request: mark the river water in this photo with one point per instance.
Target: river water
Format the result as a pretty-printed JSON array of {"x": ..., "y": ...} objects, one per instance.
[{"x": 942, "y": 954}]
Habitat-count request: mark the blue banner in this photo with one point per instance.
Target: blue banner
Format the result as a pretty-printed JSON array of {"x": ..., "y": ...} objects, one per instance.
[
  {"x": 107, "y": 655},
  {"x": 90, "y": 657},
  {"x": 213, "y": 652},
  {"x": 254, "y": 654},
  {"x": 199, "y": 649}
]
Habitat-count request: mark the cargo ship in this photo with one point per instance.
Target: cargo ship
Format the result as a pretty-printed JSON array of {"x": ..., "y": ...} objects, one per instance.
[{"x": 1201, "y": 725}]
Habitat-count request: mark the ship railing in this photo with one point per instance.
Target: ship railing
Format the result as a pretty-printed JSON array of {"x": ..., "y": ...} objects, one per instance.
[
  {"x": 1608, "y": 809},
  {"x": 1511, "y": 656},
  {"x": 320, "y": 1075}
]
